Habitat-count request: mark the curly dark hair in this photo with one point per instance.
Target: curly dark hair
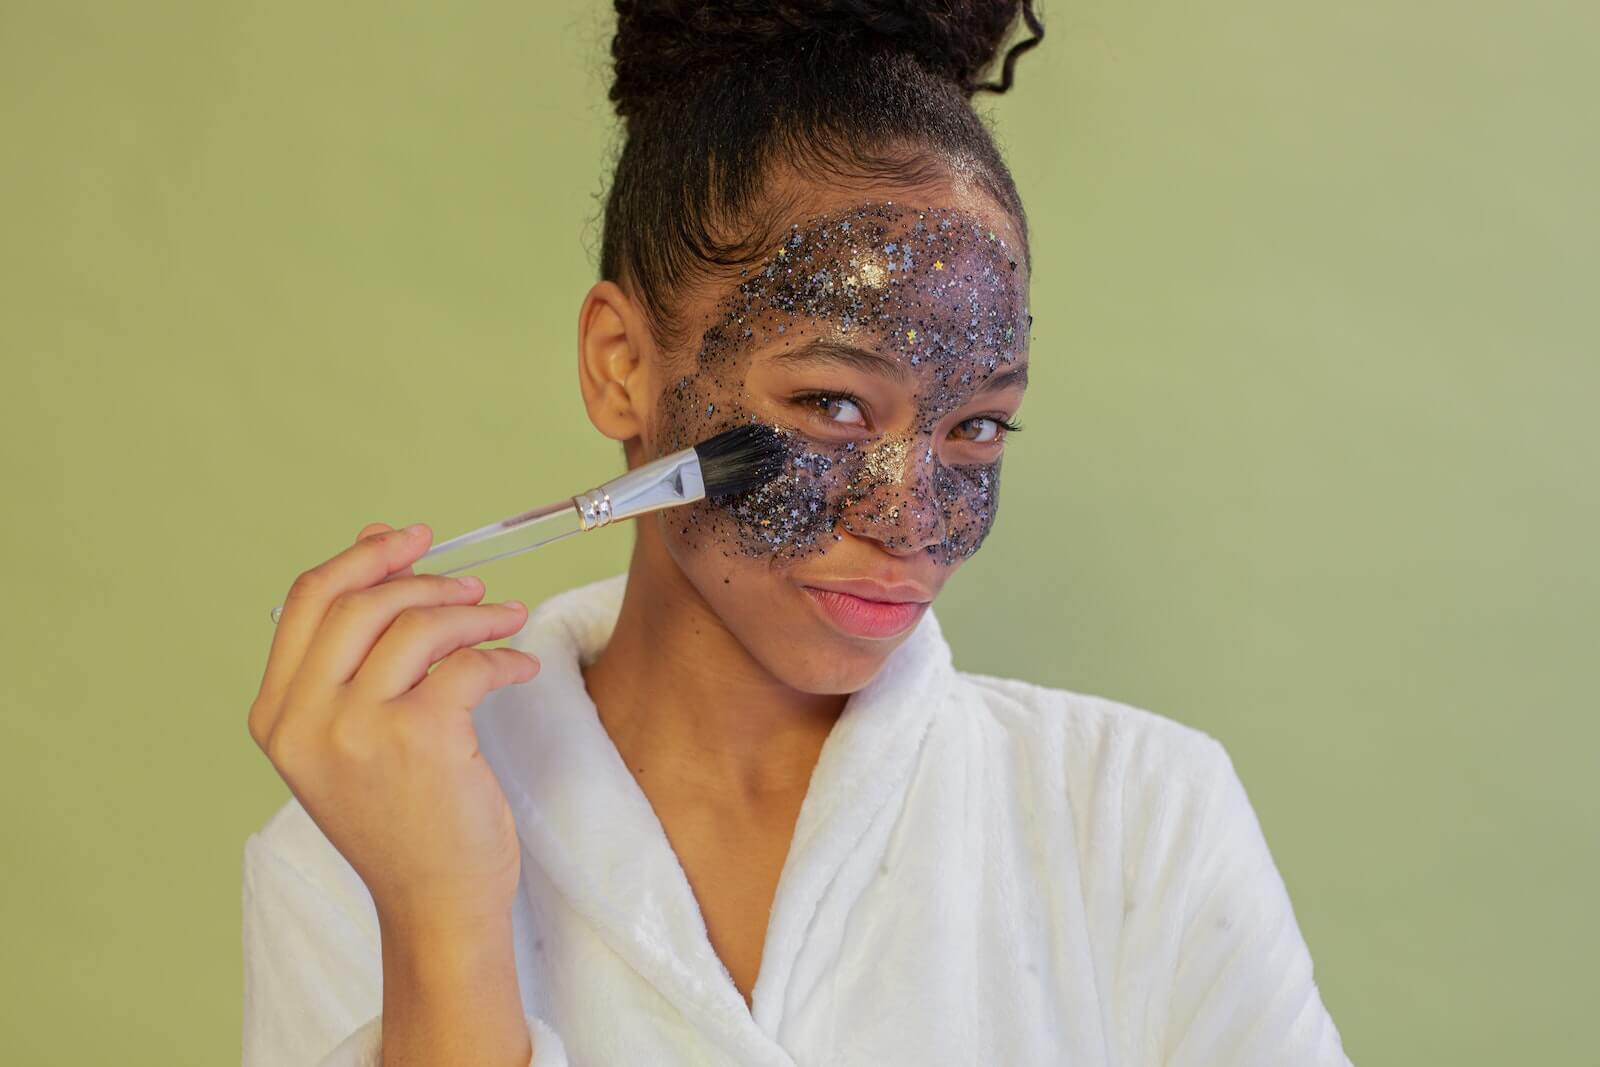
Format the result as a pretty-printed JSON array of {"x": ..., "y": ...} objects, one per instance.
[{"x": 715, "y": 95}]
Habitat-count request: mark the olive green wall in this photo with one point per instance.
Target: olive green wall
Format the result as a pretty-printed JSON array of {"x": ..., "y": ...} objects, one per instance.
[{"x": 1309, "y": 458}]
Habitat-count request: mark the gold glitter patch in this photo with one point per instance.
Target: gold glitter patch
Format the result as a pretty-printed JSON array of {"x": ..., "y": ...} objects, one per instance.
[{"x": 887, "y": 461}]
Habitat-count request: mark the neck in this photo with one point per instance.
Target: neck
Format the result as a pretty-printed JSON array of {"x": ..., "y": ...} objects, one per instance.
[{"x": 685, "y": 703}]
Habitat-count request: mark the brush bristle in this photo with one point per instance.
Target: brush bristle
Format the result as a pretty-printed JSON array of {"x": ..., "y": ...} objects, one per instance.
[{"x": 740, "y": 459}]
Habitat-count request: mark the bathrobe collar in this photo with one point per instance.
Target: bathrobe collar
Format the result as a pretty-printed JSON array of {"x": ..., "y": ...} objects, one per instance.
[{"x": 588, "y": 826}]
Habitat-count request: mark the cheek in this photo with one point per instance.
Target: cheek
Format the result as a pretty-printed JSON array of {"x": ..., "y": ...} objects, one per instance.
[
  {"x": 968, "y": 496},
  {"x": 697, "y": 406},
  {"x": 792, "y": 517}
]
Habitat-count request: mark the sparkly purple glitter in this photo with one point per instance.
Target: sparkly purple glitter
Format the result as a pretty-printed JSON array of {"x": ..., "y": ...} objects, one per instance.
[{"x": 944, "y": 300}]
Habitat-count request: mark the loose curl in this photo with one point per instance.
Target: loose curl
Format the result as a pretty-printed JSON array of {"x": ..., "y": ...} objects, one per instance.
[{"x": 714, "y": 97}]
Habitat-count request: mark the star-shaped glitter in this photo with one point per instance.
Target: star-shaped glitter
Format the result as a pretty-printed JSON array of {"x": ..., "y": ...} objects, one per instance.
[
  {"x": 938, "y": 264},
  {"x": 911, "y": 335}
]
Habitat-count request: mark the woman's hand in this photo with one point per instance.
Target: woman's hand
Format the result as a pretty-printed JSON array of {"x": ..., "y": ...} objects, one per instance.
[{"x": 380, "y": 751}]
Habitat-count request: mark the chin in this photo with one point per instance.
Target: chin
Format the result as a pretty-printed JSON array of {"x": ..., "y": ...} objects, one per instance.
[{"x": 830, "y": 667}]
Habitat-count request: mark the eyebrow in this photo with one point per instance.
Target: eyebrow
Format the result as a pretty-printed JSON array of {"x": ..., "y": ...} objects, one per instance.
[
  {"x": 1017, "y": 375},
  {"x": 820, "y": 352}
]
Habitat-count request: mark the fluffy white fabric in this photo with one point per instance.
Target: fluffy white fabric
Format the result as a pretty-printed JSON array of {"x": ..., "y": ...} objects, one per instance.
[{"x": 984, "y": 871}]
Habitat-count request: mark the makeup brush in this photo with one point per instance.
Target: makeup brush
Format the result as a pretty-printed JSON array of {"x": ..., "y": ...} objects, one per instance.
[{"x": 734, "y": 461}]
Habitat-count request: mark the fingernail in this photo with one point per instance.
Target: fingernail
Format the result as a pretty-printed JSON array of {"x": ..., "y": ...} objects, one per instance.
[
  {"x": 412, "y": 530},
  {"x": 468, "y": 581},
  {"x": 515, "y": 605}
]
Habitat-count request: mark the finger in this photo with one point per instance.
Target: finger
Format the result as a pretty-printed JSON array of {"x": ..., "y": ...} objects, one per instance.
[
  {"x": 363, "y": 564},
  {"x": 467, "y": 675},
  {"x": 356, "y": 620},
  {"x": 420, "y": 637},
  {"x": 373, "y": 528}
]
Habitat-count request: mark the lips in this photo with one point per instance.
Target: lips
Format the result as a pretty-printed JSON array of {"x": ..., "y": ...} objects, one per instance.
[
  {"x": 891, "y": 591},
  {"x": 859, "y": 616}
]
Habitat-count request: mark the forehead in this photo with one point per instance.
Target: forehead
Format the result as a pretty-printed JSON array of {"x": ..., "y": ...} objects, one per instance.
[{"x": 927, "y": 286}]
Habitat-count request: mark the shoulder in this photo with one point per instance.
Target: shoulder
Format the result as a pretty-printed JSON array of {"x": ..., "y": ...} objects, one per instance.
[
  {"x": 1111, "y": 761},
  {"x": 1094, "y": 730}
]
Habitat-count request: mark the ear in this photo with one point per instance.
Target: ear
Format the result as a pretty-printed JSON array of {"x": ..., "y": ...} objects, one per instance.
[{"x": 615, "y": 354}]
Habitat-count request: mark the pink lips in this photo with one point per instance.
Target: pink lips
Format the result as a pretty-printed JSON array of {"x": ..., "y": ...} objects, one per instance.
[{"x": 865, "y": 618}]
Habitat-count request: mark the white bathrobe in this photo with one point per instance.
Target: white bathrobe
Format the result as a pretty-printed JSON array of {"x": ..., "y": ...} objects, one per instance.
[{"x": 984, "y": 872}]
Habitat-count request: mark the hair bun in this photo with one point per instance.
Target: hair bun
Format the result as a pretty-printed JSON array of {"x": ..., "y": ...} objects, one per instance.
[{"x": 660, "y": 44}]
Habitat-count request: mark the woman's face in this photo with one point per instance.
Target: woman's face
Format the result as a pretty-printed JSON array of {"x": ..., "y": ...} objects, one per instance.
[{"x": 887, "y": 342}]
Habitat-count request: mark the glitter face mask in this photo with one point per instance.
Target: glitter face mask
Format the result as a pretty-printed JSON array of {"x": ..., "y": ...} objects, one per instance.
[{"x": 932, "y": 289}]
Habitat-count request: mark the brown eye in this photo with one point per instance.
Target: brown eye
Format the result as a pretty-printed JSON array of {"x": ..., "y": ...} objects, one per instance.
[
  {"x": 979, "y": 430},
  {"x": 985, "y": 429},
  {"x": 835, "y": 407}
]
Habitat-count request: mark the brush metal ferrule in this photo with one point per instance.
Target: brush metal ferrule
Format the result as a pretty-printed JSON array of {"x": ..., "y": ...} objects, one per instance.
[{"x": 663, "y": 483}]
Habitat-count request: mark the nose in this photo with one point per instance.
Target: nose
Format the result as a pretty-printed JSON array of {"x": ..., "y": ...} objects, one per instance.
[{"x": 895, "y": 503}]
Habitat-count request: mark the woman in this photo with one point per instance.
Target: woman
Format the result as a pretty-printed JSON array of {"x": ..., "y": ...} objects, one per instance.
[{"x": 736, "y": 806}]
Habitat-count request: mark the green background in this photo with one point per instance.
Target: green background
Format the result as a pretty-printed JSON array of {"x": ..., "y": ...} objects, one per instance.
[{"x": 1309, "y": 459}]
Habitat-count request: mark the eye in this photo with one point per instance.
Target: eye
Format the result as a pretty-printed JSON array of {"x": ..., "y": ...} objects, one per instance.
[
  {"x": 841, "y": 408},
  {"x": 984, "y": 429}
]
